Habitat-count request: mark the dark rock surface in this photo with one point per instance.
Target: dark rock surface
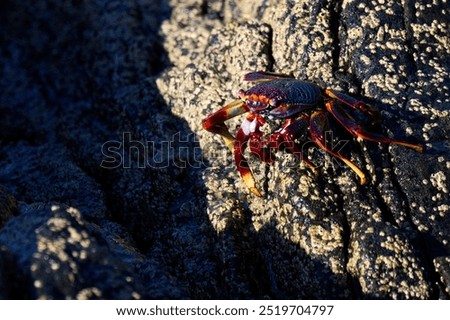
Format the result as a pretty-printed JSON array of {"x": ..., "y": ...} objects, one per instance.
[{"x": 110, "y": 189}]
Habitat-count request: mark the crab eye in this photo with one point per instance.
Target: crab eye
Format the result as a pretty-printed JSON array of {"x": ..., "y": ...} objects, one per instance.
[
  {"x": 241, "y": 94},
  {"x": 273, "y": 102}
]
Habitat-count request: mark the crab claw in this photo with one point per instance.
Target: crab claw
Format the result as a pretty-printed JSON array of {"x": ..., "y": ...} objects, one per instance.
[
  {"x": 240, "y": 144},
  {"x": 244, "y": 169},
  {"x": 215, "y": 122}
]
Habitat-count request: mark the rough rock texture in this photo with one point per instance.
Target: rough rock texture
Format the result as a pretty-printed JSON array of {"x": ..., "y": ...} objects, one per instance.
[{"x": 111, "y": 189}]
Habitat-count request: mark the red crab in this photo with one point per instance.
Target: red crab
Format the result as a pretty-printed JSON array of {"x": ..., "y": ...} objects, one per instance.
[{"x": 279, "y": 96}]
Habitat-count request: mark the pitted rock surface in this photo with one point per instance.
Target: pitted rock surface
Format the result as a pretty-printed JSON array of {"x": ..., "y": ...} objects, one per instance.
[{"x": 110, "y": 189}]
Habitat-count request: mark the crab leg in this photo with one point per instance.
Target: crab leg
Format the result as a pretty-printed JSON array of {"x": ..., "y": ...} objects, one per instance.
[
  {"x": 215, "y": 122},
  {"x": 260, "y": 76},
  {"x": 359, "y": 132},
  {"x": 284, "y": 138},
  {"x": 240, "y": 144},
  {"x": 318, "y": 125},
  {"x": 354, "y": 103}
]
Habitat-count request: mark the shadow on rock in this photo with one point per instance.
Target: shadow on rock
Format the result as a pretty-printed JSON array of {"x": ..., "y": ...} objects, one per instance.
[{"x": 79, "y": 93}]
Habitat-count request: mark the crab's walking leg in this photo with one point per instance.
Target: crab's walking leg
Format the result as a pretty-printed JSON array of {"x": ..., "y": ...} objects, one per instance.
[
  {"x": 318, "y": 125},
  {"x": 240, "y": 144},
  {"x": 215, "y": 122},
  {"x": 354, "y": 103},
  {"x": 358, "y": 131},
  {"x": 284, "y": 138},
  {"x": 260, "y": 76}
]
